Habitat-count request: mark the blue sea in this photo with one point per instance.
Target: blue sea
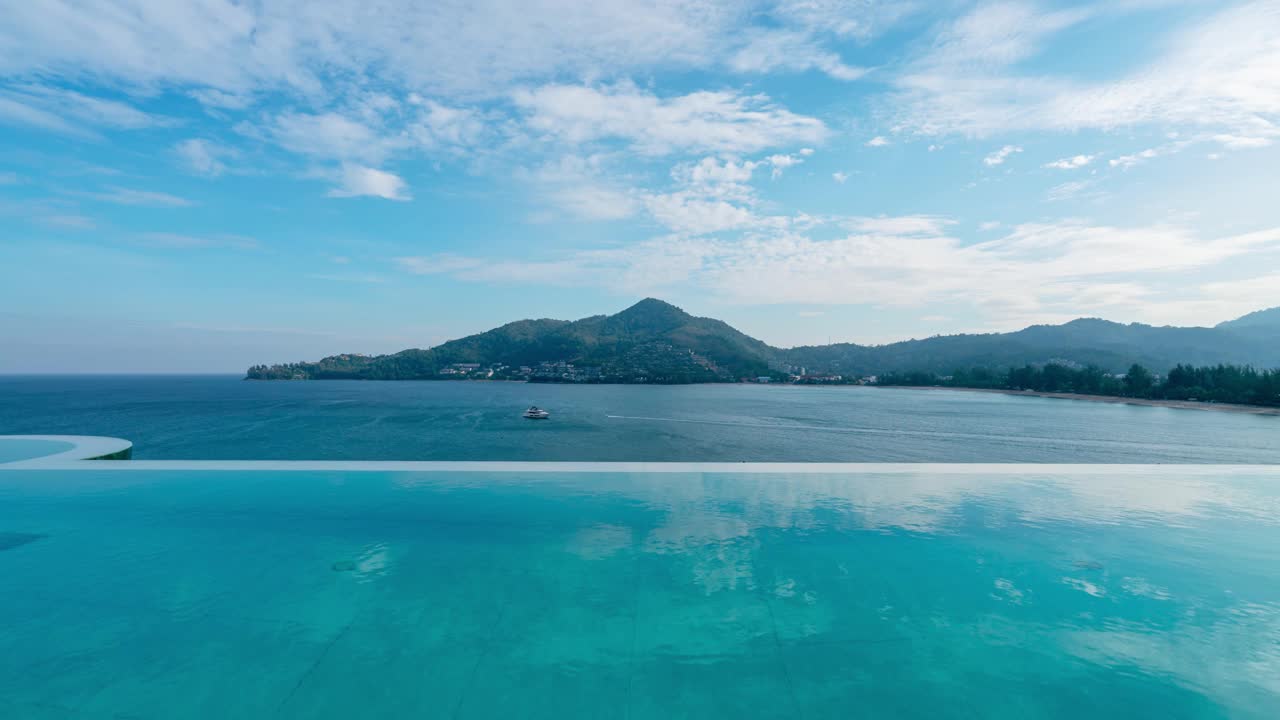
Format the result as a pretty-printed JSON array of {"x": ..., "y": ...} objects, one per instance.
[{"x": 212, "y": 417}]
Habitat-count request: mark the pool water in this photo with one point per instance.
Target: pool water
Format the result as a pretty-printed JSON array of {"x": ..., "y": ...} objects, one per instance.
[
  {"x": 15, "y": 449},
  {"x": 137, "y": 591}
]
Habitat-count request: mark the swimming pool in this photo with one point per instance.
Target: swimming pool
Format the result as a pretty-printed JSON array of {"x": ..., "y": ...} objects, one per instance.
[
  {"x": 13, "y": 449},
  {"x": 473, "y": 590},
  {"x": 43, "y": 449}
]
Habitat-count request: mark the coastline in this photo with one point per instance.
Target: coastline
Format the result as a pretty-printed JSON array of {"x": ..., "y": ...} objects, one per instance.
[{"x": 1110, "y": 399}]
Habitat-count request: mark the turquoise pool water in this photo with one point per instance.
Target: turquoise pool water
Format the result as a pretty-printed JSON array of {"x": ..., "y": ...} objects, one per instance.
[
  {"x": 14, "y": 449},
  {"x": 150, "y": 591}
]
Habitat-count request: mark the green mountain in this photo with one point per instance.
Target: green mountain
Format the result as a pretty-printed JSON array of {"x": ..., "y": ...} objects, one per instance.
[
  {"x": 1090, "y": 341},
  {"x": 653, "y": 341},
  {"x": 1258, "y": 323}
]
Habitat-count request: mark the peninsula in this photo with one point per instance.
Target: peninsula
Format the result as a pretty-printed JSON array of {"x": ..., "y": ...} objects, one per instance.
[{"x": 655, "y": 342}]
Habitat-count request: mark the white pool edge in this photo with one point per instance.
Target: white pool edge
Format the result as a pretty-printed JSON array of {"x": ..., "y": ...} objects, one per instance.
[{"x": 55, "y": 463}]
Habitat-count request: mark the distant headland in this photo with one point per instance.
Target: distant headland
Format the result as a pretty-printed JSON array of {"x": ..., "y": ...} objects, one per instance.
[{"x": 655, "y": 342}]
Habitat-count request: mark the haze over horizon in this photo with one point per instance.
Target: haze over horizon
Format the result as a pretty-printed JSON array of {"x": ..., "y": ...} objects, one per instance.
[{"x": 205, "y": 185}]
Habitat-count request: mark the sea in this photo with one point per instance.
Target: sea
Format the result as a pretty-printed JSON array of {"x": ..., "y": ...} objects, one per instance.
[{"x": 212, "y": 417}]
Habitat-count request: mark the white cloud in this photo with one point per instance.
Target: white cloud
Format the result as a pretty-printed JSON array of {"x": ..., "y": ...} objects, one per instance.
[
  {"x": 1223, "y": 73},
  {"x": 778, "y": 163},
  {"x": 366, "y": 278},
  {"x": 201, "y": 156},
  {"x": 840, "y": 177},
  {"x": 1035, "y": 272},
  {"x": 329, "y": 135},
  {"x": 228, "y": 52},
  {"x": 591, "y": 202},
  {"x": 853, "y": 19},
  {"x": 878, "y": 141},
  {"x": 687, "y": 213},
  {"x": 899, "y": 225},
  {"x": 719, "y": 121},
  {"x": 144, "y": 198},
  {"x": 1071, "y": 163},
  {"x": 769, "y": 50},
  {"x": 299, "y": 46},
  {"x": 358, "y": 180},
  {"x": 178, "y": 241},
  {"x": 70, "y": 113},
  {"x": 70, "y": 222},
  {"x": 1236, "y": 142},
  {"x": 713, "y": 196},
  {"x": 440, "y": 126},
  {"x": 711, "y": 171},
  {"x": 999, "y": 156},
  {"x": 580, "y": 185},
  {"x": 1067, "y": 190},
  {"x": 1127, "y": 161}
]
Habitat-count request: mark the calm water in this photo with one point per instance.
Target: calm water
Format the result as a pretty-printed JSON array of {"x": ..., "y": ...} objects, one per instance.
[
  {"x": 226, "y": 418},
  {"x": 12, "y": 449},
  {"x": 969, "y": 593}
]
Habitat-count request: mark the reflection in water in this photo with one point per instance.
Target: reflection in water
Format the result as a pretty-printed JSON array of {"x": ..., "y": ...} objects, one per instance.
[{"x": 890, "y": 592}]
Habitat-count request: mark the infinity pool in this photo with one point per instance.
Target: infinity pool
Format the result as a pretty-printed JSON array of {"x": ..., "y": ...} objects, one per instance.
[
  {"x": 327, "y": 590},
  {"x": 13, "y": 449}
]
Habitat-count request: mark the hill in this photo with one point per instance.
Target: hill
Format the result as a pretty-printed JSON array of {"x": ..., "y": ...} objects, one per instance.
[
  {"x": 1262, "y": 323},
  {"x": 1109, "y": 345},
  {"x": 653, "y": 341}
]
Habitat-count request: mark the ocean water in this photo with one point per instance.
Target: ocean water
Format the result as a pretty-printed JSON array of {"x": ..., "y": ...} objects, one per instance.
[
  {"x": 227, "y": 418},
  {"x": 998, "y": 592}
]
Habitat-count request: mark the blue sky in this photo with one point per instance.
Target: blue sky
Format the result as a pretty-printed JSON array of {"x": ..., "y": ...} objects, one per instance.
[{"x": 199, "y": 186}]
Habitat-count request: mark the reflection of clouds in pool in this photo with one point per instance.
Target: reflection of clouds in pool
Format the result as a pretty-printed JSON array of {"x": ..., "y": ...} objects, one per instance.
[
  {"x": 1085, "y": 586},
  {"x": 373, "y": 563},
  {"x": 1007, "y": 591},
  {"x": 691, "y": 527},
  {"x": 724, "y": 566},
  {"x": 931, "y": 502},
  {"x": 1140, "y": 587},
  {"x": 600, "y": 541},
  {"x": 1235, "y": 659}
]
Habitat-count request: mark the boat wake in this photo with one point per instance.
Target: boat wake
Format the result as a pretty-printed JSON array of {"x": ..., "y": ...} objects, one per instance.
[{"x": 883, "y": 431}]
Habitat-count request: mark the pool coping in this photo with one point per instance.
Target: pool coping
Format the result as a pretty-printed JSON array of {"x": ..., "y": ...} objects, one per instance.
[{"x": 56, "y": 463}]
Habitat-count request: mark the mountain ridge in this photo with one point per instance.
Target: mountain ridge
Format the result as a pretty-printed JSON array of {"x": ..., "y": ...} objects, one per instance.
[{"x": 654, "y": 341}]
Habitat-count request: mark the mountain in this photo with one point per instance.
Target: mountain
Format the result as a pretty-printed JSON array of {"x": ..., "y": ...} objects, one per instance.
[
  {"x": 653, "y": 341},
  {"x": 1089, "y": 341},
  {"x": 1261, "y": 322}
]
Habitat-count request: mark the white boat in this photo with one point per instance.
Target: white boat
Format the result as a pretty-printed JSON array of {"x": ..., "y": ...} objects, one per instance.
[{"x": 536, "y": 413}]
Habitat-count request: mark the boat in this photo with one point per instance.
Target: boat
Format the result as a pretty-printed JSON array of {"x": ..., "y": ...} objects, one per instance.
[{"x": 536, "y": 413}]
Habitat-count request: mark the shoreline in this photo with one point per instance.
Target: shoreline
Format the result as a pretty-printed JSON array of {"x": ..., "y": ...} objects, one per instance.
[{"x": 1109, "y": 399}]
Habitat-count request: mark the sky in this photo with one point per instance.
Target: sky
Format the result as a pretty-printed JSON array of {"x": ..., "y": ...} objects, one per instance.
[{"x": 199, "y": 186}]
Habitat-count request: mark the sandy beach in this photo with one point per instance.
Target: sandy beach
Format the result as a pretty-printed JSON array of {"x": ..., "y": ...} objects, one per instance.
[{"x": 1178, "y": 404}]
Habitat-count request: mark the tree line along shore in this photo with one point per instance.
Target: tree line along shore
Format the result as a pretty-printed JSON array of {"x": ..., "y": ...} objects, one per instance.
[{"x": 1224, "y": 384}]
